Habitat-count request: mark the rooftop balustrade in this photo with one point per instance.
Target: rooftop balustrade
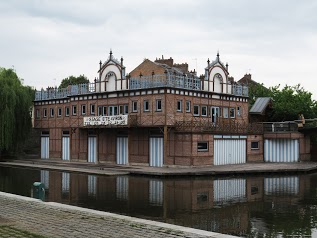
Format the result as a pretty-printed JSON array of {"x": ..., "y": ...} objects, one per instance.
[
  {"x": 174, "y": 81},
  {"x": 56, "y": 93},
  {"x": 144, "y": 82}
]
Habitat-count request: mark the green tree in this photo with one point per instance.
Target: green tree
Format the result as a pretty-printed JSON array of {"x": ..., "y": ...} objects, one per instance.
[
  {"x": 72, "y": 80},
  {"x": 258, "y": 90},
  {"x": 15, "y": 118},
  {"x": 288, "y": 101}
]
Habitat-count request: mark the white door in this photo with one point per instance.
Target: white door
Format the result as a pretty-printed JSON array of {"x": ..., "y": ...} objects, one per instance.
[
  {"x": 92, "y": 149},
  {"x": 281, "y": 150},
  {"x": 156, "y": 151},
  {"x": 122, "y": 150},
  {"x": 214, "y": 114},
  {"x": 229, "y": 151},
  {"x": 45, "y": 147},
  {"x": 66, "y": 148}
]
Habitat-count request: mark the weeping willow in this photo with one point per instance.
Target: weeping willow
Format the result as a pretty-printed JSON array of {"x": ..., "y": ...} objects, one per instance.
[{"x": 15, "y": 105}]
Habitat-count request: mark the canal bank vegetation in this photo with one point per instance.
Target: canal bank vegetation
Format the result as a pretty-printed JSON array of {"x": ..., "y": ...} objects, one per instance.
[{"x": 15, "y": 111}]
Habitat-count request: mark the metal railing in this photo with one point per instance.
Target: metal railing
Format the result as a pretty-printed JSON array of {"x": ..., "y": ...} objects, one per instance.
[
  {"x": 154, "y": 81},
  {"x": 240, "y": 90},
  {"x": 234, "y": 127},
  {"x": 219, "y": 127},
  {"x": 174, "y": 81},
  {"x": 280, "y": 127},
  {"x": 55, "y": 93}
]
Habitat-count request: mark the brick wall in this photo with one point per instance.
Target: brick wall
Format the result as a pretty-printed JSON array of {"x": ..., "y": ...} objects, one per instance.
[
  {"x": 255, "y": 155},
  {"x": 146, "y": 68}
]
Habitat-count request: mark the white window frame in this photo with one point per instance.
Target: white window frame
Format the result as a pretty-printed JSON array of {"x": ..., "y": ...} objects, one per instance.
[
  {"x": 206, "y": 112},
  {"x": 59, "y": 112},
  {"x": 38, "y": 115},
  {"x": 74, "y": 110},
  {"x": 205, "y": 148},
  {"x": 225, "y": 112},
  {"x": 44, "y": 112},
  {"x": 134, "y": 106},
  {"x": 158, "y": 105},
  {"x": 187, "y": 106},
  {"x": 83, "y": 109},
  {"x": 253, "y": 147},
  {"x": 104, "y": 110},
  {"x": 146, "y": 105},
  {"x": 66, "y": 111},
  {"x": 92, "y": 109},
  {"x": 51, "y": 112},
  {"x": 239, "y": 111},
  {"x": 99, "y": 111},
  {"x": 179, "y": 105},
  {"x": 232, "y": 110},
  {"x": 196, "y": 114},
  {"x": 126, "y": 109},
  {"x": 112, "y": 110}
]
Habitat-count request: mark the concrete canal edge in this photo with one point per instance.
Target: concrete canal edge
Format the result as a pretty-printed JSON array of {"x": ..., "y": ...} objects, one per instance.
[
  {"x": 115, "y": 170},
  {"x": 158, "y": 227}
]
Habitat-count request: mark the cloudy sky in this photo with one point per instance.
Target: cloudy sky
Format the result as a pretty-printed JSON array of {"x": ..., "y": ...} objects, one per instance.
[{"x": 46, "y": 41}]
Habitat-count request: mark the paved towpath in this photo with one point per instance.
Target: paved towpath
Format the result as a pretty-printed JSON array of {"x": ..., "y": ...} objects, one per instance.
[
  {"x": 107, "y": 169},
  {"x": 22, "y": 216}
]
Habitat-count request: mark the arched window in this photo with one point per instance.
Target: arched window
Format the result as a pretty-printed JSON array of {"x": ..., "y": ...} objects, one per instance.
[
  {"x": 219, "y": 77},
  {"x": 218, "y": 82},
  {"x": 110, "y": 81},
  {"x": 109, "y": 75}
]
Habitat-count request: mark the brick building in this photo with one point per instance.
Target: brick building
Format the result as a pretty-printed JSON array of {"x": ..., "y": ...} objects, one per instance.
[{"x": 160, "y": 114}]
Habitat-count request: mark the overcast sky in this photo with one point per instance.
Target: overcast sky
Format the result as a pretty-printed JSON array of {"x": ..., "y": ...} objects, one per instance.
[{"x": 274, "y": 40}]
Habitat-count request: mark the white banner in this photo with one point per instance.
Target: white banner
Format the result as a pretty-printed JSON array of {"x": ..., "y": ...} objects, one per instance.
[{"x": 120, "y": 120}]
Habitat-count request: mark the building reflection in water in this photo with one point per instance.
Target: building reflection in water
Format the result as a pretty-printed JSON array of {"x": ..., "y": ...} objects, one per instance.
[
  {"x": 45, "y": 178},
  {"x": 281, "y": 186},
  {"x": 122, "y": 188},
  {"x": 92, "y": 185},
  {"x": 228, "y": 191},
  {"x": 156, "y": 192},
  {"x": 244, "y": 206},
  {"x": 65, "y": 184}
]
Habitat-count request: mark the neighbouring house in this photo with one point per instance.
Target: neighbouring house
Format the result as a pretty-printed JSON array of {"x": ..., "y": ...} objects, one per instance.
[{"x": 160, "y": 114}]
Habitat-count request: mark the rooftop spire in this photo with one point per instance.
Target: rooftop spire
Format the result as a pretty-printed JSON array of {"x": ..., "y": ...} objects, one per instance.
[{"x": 110, "y": 53}]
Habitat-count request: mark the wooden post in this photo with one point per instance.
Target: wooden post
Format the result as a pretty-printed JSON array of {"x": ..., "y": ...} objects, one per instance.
[
  {"x": 165, "y": 144},
  {"x": 129, "y": 144}
]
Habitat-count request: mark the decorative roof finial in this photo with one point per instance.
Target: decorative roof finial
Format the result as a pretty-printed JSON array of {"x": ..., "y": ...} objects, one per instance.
[
  {"x": 110, "y": 53},
  {"x": 100, "y": 63},
  {"x": 208, "y": 61},
  {"x": 218, "y": 55}
]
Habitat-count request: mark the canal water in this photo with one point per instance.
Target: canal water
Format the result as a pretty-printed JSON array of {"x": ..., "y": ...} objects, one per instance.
[{"x": 249, "y": 206}]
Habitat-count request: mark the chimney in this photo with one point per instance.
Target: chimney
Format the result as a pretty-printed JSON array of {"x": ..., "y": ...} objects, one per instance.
[{"x": 168, "y": 62}]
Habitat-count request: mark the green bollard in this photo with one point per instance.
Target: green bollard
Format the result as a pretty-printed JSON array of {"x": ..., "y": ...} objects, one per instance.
[{"x": 38, "y": 191}]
